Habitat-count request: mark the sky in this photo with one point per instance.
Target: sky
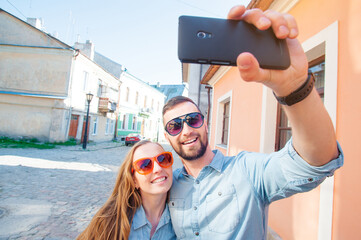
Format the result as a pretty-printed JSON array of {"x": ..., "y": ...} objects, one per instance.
[{"x": 141, "y": 35}]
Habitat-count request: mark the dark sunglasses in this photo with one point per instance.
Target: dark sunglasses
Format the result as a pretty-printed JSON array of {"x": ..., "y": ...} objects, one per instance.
[
  {"x": 175, "y": 126},
  {"x": 145, "y": 166}
]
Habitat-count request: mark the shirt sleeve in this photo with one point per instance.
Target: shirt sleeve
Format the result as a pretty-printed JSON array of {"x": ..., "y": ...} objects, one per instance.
[{"x": 284, "y": 173}]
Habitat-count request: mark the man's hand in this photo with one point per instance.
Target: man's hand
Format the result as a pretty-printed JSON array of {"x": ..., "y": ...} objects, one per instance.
[
  {"x": 282, "y": 82},
  {"x": 312, "y": 130}
]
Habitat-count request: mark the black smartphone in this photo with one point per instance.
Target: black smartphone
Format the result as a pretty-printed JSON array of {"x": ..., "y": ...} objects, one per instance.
[{"x": 219, "y": 42}]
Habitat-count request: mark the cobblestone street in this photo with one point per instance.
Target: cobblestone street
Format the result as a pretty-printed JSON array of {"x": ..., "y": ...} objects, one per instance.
[{"x": 53, "y": 194}]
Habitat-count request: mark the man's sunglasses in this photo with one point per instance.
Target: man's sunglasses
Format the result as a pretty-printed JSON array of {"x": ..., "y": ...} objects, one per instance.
[
  {"x": 175, "y": 126},
  {"x": 145, "y": 166}
]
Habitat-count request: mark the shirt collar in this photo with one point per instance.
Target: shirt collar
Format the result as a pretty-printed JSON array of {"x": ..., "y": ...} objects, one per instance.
[
  {"x": 218, "y": 161},
  {"x": 216, "y": 164},
  {"x": 140, "y": 219}
]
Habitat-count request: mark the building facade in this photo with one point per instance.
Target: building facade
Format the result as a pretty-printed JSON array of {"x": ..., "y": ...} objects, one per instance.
[
  {"x": 43, "y": 87},
  {"x": 246, "y": 116},
  {"x": 140, "y": 109}
]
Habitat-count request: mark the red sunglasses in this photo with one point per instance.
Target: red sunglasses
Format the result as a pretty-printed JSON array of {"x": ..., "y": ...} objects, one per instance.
[{"x": 145, "y": 166}]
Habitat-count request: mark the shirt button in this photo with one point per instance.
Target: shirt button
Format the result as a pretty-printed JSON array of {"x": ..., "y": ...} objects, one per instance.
[
  {"x": 196, "y": 233},
  {"x": 219, "y": 194},
  {"x": 195, "y": 208},
  {"x": 197, "y": 181}
]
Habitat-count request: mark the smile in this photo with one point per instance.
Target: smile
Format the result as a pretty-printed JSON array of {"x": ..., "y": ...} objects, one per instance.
[
  {"x": 158, "y": 180},
  {"x": 190, "y": 141}
]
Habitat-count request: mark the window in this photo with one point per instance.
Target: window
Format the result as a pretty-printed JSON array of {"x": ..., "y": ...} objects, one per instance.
[
  {"x": 127, "y": 95},
  {"x": 123, "y": 123},
  {"x": 85, "y": 81},
  {"x": 283, "y": 129},
  {"x": 100, "y": 88},
  {"x": 134, "y": 126},
  {"x": 145, "y": 101},
  {"x": 95, "y": 125},
  {"x": 225, "y": 125},
  {"x": 136, "y": 98},
  {"x": 112, "y": 126},
  {"x": 317, "y": 67},
  {"x": 223, "y": 119},
  {"x": 152, "y": 106},
  {"x": 107, "y": 125}
]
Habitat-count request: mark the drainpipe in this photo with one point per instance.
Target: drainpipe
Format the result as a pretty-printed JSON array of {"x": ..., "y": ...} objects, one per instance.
[
  {"x": 117, "y": 110},
  {"x": 70, "y": 94},
  {"x": 200, "y": 85},
  {"x": 209, "y": 102}
]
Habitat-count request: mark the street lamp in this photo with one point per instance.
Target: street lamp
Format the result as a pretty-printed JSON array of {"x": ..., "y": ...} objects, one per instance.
[{"x": 89, "y": 98}]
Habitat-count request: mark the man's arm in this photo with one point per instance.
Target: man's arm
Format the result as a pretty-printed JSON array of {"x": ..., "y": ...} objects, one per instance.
[{"x": 312, "y": 130}]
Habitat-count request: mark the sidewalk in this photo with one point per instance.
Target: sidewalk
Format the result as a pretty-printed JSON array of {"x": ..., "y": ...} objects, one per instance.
[{"x": 53, "y": 193}]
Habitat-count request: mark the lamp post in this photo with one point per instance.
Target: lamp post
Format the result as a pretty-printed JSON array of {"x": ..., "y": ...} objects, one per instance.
[{"x": 89, "y": 98}]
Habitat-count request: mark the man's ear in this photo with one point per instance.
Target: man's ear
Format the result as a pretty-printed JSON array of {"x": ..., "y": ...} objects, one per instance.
[{"x": 206, "y": 126}]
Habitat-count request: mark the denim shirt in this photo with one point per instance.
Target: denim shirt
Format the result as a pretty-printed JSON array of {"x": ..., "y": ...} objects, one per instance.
[
  {"x": 141, "y": 227},
  {"x": 230, "y": 197}
]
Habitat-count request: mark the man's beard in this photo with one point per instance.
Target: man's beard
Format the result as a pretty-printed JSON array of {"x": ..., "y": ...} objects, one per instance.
[{"x": 193, "y": 155}]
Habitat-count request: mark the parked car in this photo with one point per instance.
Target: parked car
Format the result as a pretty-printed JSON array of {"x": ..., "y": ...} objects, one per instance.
[{"x": 133, "y": 138}]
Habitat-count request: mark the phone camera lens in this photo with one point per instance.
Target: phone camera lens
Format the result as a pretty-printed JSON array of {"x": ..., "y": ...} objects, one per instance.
[{"x": 201, "y": 35}]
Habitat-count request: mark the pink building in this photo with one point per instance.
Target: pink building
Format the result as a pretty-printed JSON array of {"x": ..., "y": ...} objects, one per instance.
[{"x": 246, "y": 116}]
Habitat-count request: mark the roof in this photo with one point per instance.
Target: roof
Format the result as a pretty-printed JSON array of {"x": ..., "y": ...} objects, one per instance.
[
  {"x": 171, "y": 90},
  {"x": 62, "y": 45},
  {"x": 109, "y": 65}
]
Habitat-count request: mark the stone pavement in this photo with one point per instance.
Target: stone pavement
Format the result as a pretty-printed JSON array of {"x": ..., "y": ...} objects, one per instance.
[{"x": 53, "y": 194}]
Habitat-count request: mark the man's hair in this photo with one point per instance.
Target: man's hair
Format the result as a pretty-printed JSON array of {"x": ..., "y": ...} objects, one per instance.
[{"x": 177, "y": 100}]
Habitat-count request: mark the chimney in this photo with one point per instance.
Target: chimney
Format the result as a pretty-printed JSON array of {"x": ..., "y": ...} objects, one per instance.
[
  {"x": 36, "y": 22},
  {"x": 86, "y": 48}
]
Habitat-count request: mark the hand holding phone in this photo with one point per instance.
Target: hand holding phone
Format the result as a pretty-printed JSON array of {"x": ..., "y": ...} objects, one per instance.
[{"x": 219, "y": 42}]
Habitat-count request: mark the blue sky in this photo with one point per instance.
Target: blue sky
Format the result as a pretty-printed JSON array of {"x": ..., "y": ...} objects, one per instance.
[{"x": 139, "y": 34}]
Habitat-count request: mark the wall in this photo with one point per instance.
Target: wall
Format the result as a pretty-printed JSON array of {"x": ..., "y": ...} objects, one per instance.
[
  {"x": 346, "y": 201},
  {"x": 23, "y": 116},
  {"x": 246, "y": 104},
  {"x": 34, "y": 83},
  {"x": 35, "y": 70},
  {"x": 77, "y": 98},
  {"x": 196, "y": 91}
]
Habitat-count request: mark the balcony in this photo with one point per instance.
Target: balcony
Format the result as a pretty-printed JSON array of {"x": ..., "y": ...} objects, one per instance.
[{"x": 106, "y": 106}]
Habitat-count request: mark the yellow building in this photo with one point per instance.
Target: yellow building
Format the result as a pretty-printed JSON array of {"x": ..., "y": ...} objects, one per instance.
[{"x": 43, "y": 87}]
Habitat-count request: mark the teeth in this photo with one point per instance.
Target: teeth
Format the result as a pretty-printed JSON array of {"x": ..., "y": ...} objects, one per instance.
[
  {"x": 190, "y": 141},
  {"x": 159, "y": 180}
]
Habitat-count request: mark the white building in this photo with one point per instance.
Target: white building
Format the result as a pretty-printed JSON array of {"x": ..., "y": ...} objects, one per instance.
[{"x": 140, "y": 109}]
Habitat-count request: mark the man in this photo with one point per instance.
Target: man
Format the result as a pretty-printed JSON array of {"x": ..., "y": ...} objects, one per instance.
[{"x": 218, "y": 197}]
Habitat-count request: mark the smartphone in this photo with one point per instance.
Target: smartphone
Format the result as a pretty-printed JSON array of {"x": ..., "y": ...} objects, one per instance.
[{"x": 219, "y": 42}]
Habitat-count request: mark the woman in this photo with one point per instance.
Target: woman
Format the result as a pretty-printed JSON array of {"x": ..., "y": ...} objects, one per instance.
[{"x": 137, "y": 207}]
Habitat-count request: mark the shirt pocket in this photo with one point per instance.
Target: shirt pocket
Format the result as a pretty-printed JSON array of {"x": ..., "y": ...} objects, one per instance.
[
  {"x": 222, "y": 210},
  {"x": 176, "y": 209}
]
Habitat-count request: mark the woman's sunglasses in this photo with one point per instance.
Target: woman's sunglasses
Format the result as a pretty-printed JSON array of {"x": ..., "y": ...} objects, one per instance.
[
  {"x": 175, "y": 126},
  {"x": 145, "y": 166}
]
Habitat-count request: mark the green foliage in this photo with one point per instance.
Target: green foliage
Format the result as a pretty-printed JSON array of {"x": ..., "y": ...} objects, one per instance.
[{"x": 6, "y": 142}]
